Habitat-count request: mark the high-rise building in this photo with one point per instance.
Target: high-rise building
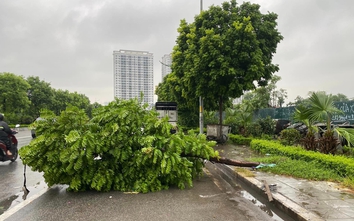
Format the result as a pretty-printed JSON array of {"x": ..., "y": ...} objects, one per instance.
[
  {"x": 166, "y": 65},
  {"x": 133, "y": 74}
]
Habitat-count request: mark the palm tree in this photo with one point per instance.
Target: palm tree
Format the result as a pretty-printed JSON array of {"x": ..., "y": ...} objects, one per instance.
[
  {"x": 321, "y": 109},
  {"x": 309, "y": 141}
]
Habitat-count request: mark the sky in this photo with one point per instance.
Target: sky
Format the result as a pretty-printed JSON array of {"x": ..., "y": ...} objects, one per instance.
[{"x": 70, "y": 43}]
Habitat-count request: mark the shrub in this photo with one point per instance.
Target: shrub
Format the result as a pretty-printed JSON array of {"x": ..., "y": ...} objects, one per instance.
[
  {"x": 290, "y": 137},
  {"x": 194, "y": 130},
  {"x": 348, "y": 151},
  {"x": 239, "y": 140},
  {"x": 266, "y": 137},
  {"x": 262, "y": 126},
  {"x": 254, "y": 129},
  {"x": 267, "y": 125}
]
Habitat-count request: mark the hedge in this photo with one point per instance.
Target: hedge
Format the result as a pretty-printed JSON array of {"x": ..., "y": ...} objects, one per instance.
[
  {"x": 239, "y": 140},
  {"x": 342, "y": 165}
]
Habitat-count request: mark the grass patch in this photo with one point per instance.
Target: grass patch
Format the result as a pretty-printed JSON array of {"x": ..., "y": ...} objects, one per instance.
[
  {"x": 298, "y": 168},
  {"x": 244, "y": 172}
]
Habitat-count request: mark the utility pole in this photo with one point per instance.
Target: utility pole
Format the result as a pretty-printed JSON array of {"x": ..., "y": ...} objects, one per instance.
[{"x": 201, "y": 123}]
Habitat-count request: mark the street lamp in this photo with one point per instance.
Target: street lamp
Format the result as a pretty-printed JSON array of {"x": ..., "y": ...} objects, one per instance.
[{"x": 201, "y": 123}]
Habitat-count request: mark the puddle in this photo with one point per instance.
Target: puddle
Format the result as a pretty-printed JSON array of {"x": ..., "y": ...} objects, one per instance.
[
  {"x": 262, "y": 206},
  {"x": 6, "y": 204},
  {"x": 17, "y": 198}
]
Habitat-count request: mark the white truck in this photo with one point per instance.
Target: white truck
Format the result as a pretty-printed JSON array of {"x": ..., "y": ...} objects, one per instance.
[{"x": 168, "y": 109}]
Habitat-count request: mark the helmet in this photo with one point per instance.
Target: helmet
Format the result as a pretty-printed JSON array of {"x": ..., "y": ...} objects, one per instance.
[{"x": 1, "y": 117}]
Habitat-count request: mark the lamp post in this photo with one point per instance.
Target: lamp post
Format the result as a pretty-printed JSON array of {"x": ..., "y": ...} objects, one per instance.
[{"x": 201, "y": 123}]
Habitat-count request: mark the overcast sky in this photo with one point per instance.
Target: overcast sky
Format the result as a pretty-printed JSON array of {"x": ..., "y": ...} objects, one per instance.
[{"x": 69, "y": 43}]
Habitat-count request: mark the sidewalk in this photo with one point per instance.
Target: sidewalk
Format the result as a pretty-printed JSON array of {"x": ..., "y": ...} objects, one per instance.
[{"x": 306, "y": 200}]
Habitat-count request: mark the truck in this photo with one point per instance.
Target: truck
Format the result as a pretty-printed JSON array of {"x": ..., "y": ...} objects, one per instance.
[{"x": 168, "y": 109}]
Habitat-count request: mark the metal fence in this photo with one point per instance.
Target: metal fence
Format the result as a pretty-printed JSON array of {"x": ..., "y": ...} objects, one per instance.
[{"x": 286, "y": 113}]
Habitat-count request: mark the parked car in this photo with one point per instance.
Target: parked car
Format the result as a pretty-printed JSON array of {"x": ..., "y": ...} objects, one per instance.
[{"x": 33, "y": 130}]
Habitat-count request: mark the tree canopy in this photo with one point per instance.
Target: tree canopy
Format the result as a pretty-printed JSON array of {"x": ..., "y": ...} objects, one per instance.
[
  {"x": 40, "y": 95},
  {"x": 223, "y": 53},
  {"x": 13, "y": 90}
]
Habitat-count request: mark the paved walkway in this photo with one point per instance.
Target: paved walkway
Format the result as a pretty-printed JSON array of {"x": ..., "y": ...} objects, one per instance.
[{"x": 307, "y": 200}]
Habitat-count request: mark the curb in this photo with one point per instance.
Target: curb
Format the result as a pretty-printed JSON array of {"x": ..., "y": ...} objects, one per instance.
[{"x": 280, "y": 201}]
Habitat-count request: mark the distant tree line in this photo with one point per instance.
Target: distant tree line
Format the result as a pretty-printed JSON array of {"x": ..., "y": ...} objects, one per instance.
[
  {"x": 305, "y": 101},
  {"x": 22, "y": 98}
]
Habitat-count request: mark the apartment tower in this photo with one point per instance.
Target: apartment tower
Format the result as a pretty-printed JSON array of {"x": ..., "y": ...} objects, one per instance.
[
  {"x": 133, "y": 74},
  {"x": 166, "y": 65}
]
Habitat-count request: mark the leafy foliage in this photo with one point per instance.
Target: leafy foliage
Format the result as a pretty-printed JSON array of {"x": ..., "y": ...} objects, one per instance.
[
  {"x": 23, "y": 98},
  {"x": 266, "y": 96},
  {"x": 123, "y": 147},
  {"x": 210, "y": 117},
  {"x": 267, "y": 125},
  {"x": 239, "y": 117},
  {"x": 240, "y": 140},
  {"x": 188, "y": 109},
  {"x": 40, "y": 95},
  {"x": 253, "y": 129},
  {"x": 305, "y": 101},
  {"x": 13, "y": 100},
  {"x": 342, "y": 165},
  {"x": 260, "y": 127},
  {"x": 290, "y": 137},
  {"x": 320, "y": 108}
]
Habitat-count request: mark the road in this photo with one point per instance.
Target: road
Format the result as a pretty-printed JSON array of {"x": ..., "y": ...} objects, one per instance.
[
  {"x": 12, "y": 177},
  {"x": 211, "y": 198}
]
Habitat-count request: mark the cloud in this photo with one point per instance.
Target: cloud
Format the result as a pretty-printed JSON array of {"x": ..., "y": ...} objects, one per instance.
[{"x": 70, "y": 43}]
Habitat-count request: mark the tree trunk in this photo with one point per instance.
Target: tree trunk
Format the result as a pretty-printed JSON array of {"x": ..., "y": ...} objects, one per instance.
[
  {"x": 227, "y": 161},
  {"x": 233, "y": 162}
]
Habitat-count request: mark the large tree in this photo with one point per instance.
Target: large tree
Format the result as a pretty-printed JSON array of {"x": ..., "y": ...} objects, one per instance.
[
  {"x": 224, "y": 52},
  {"x": 63, "y": 98},
  {"x": 13, "y": 100},
  {"x": 40, "y": 94}
]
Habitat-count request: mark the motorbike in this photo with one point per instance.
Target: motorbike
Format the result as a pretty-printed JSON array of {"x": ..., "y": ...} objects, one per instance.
[{"x": 3, "y": 148}]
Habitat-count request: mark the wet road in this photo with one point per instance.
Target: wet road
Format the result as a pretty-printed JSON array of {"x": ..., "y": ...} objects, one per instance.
[
  {"x": 12, "y": 178},
  {"x": 211, "y": 198}
]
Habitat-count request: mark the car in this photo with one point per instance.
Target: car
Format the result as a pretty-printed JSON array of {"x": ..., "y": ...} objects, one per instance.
[{"x": 33, "y": 130}]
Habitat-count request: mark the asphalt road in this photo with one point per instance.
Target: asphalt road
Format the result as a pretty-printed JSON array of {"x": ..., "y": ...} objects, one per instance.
[
  {"x": 12, "y": 178},
  {"x": 211, "y": 198}
]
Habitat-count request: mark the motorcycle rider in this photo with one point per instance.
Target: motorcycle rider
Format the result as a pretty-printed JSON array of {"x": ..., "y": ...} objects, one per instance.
[{"x": 4, "y": 134}]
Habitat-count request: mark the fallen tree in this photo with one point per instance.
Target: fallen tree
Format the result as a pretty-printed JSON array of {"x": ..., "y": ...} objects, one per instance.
[
  {"x": 124, "y": 147},
  {"x": 232, "y": 162},
  {"x": 228, "y": 161}
]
